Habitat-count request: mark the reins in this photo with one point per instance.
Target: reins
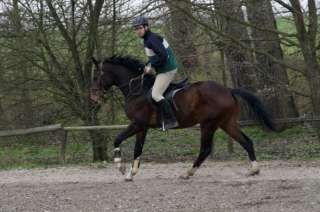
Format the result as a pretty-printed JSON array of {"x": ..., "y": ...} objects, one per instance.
[
  {"x": 130, "y": 85},
  {"x": 141, "y": 85}
]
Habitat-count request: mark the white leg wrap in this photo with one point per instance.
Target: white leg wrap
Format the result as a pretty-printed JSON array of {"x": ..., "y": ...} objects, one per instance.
[
  {"x": 254, "y": 166},
  {"x": 189, "y": 173},
  {"x": 118, "y": 164},
  {"x": 129, "y": 176},
  {"x": 192, "y": 171},
  {"x": 117, "y": 160},
  {"x": 135, "y": 166}
]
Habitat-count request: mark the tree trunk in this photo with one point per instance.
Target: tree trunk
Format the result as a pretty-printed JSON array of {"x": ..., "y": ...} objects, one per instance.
[
  {"x": 81, "y": 68},
  {"x": 25, "y": 107},
  {"x": 181, "y": 35},
  {"x": 307, "y": 40},
  {"x": 99, "y": 144},
  {"x": 4, "y": 119},
  {"x": 313, "y": 75},
  {"x": 272, "y": 77},
  {"x": 238, "y": 60}
]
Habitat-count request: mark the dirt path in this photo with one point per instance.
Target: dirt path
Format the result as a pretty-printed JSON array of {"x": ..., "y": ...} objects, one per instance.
[{"x": 218, "y": 186}]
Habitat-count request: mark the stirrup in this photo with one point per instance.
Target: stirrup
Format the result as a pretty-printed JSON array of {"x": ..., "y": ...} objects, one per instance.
[
  {"x": 163, "y": 127},
  {"x": 172, "y": 125},
  {"x": 166, "y": 127}
]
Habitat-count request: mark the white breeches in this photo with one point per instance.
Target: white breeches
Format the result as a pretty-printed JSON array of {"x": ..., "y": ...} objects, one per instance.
[{"x": 161, "y": 83}]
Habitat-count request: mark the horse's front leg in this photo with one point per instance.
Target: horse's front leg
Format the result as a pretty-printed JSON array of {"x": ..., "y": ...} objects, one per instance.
[
  {"x": 140, "y": 139},
  {"x": 132, "y": 129}
]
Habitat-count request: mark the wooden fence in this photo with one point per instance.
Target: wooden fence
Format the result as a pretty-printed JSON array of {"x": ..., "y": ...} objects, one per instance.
[{"x": 65, "y": 130}]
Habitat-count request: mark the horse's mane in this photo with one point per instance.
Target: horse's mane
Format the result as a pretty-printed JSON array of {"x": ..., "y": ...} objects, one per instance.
[
  {"x": 134, "y": 65},
  {"x": 129, "y": 62}
]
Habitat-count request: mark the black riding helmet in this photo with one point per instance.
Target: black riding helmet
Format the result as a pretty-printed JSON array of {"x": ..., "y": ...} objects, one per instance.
[{"x": 140, "y": 20}]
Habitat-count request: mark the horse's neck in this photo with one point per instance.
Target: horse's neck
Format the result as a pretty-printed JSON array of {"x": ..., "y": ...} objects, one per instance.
[{"x": 124, "y": 83}]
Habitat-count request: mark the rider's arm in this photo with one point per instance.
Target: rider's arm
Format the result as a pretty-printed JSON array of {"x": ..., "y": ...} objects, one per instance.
[{"x": 161, "y": 56}]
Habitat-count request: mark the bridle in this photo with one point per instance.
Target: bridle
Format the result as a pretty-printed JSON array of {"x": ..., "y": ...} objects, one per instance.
[{"x": 130, "y": 84}]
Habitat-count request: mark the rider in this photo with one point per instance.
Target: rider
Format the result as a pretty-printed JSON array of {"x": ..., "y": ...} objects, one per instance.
[{"x": 161, "y": 62}]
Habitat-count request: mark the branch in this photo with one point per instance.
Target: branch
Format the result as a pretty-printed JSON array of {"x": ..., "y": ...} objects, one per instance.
[
  {"x": 92, "y": 34},
  {"x": 285, "y": 5},
  {"x": 299, "y": 20},
  {"x": 313, "y": 21},
  {"x": 237, "y": 41},
  {"x": 261, "y": 28},
  {"x": 71, "y": 44}
]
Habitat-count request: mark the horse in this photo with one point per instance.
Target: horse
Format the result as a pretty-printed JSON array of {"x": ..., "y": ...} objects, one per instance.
[{"x": 206, "y": 103}]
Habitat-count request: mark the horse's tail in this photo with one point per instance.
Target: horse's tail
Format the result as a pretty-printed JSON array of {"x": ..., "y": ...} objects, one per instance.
[{"x": 256, "y": 105}]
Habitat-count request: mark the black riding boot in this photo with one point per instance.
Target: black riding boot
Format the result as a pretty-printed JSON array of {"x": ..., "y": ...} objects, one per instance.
[{"x": 168, "y": 117}]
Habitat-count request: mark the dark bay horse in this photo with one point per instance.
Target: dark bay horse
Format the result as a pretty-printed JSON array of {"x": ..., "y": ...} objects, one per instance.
[{"x": 206, "y": 103}]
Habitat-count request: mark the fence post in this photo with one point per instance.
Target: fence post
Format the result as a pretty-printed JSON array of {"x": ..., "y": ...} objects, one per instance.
[{"x": 63, "y": 147}]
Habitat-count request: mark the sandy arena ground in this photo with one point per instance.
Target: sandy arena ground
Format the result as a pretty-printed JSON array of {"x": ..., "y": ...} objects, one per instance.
[{"x": 217, "y": 186}]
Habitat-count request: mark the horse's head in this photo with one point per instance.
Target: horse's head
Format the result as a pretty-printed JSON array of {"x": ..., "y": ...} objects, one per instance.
[
  {"x": 102, "y": 80},
  {"x": 121, "y": 71}
]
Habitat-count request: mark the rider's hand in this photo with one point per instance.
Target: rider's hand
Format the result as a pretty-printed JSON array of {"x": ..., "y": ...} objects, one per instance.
[{"x": 148, "y": 70}]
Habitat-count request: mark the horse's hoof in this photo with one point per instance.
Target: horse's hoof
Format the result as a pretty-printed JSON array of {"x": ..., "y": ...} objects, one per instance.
[
  {"x": 122, "y": 169},
  {"x": 134, "y": 172},
  {"x": 253, "y": 173},
  {"x": 191, "y": 172},
  {"x": 184, "y": 177},
  {"x": 127, "y": 179}
]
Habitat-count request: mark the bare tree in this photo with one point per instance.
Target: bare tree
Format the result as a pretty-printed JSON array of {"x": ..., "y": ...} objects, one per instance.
[
  {"x": 24, "y": 117},
  {"x": 272, "y": 77},
  {"x": 238, "y": 60},
  {"x": 66, "y": 34},
  {"x": 307, "y": 28}
]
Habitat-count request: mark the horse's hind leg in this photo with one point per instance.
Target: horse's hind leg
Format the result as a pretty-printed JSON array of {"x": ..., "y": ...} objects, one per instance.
[
  {"x": 207, "y": 132},
  {"x": 234, "y": 131}
]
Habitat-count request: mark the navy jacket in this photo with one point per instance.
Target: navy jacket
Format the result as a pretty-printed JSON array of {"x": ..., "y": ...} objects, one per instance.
[{"x": 159, "y": 52}]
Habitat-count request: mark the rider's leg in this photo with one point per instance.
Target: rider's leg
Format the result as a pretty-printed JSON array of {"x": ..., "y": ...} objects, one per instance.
[
  {"x": 168, "y": 116},
  {"x": 161, "y": 83}
]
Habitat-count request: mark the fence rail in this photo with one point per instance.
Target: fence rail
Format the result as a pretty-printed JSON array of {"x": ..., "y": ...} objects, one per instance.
[
  {"x": 16, "y": 132},
  {"x": 60, "y": 127},
  {"x": 57, "y": 127}
]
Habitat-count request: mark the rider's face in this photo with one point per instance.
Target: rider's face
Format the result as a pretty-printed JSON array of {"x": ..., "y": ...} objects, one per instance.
[{"x": 140, "y": 30}]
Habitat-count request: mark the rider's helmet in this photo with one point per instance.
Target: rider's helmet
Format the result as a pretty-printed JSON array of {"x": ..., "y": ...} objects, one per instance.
[{"x": 140, "y": 20}]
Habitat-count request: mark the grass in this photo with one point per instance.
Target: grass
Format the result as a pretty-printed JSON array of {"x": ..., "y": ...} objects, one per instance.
[{"x": 296, "y": 143}]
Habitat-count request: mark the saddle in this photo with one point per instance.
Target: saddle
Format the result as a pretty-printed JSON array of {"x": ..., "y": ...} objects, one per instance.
[
  {"x": 173, "y": 88},
  {"x": 169, "y": 94}
]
